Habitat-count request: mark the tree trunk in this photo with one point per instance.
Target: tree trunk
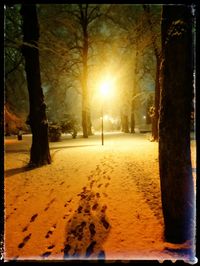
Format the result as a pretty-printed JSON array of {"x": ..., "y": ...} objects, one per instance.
[
  {"x": 84, "y": 117},
  {"x": 133, "y": 111},
  {"x": 177, "y": 188},
  {"x": 122, "y": 121},
  {"x": 156, "y": 102},
  {"x": 85, "y": 103},
  {"x": 133, "y": 102},
  {"x": 155, "y": 118},
  {"x": 133, "y": 117},
  {"x": 126, "y": 126},
  {"x": 40, "y": 154},
  {"x": 85, "y": 95},
  {"x": 148, "y": 110},
  {"x": 89, "y": 124}
]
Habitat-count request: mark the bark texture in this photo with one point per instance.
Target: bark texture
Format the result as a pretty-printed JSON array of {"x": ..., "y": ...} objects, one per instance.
[
  {"x": 37, "y": 120},
  {"x": 177, "y": 187}
]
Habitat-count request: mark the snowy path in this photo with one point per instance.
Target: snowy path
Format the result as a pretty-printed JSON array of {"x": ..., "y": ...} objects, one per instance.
[{"x": 91, "y": 202}]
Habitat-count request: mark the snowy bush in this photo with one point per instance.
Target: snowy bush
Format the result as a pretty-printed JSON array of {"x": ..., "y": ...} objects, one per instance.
[
  {"x": 69, "y": 125},
  {"x": 54, "y": 133}
]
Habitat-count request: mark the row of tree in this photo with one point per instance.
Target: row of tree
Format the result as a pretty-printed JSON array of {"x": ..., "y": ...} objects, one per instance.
[
  {"x": 173, "y": 93},
  {"x": 76, "y": 43}
]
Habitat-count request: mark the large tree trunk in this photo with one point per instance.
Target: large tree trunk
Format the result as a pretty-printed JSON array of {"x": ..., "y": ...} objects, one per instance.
[
  {"x": 124, "y": 121},
  {"x": 126, "y": 124},
  {"x": 86, "y": 121},
  {"x": 177, "y": 188},
  {"x": 40, "y": 154},
  {"x": 85, "y": 90}
]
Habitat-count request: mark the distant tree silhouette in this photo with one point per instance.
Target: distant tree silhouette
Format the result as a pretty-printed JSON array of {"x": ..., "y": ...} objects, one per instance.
[{"x": 157, "y": 54}]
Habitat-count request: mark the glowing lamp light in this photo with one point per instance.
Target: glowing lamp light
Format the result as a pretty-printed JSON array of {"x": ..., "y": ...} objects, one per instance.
[
  {"x": 104, "y": 88},
  {"x": 106, "y": 117}
]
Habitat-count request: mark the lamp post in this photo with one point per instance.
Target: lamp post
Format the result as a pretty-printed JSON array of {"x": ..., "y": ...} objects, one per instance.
[{"x": 102, "y": 136}]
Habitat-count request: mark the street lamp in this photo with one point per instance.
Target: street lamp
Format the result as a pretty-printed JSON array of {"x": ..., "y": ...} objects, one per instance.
[{"x": 104, "y": 92}]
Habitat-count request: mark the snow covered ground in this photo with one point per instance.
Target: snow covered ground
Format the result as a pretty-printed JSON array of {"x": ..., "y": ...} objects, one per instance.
[{"x": 92, "y": 202}]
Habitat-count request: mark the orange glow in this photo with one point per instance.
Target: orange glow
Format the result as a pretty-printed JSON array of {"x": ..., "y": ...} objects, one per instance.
[{"x": 106, "y": 87}]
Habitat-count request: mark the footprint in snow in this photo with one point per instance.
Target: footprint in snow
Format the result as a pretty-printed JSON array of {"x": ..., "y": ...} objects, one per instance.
[
  {"x": 33, "y": 217},
  {"x": 80, "y": 209},
  {"x": 25, "y": 228},
  {"x": 87, "y": 229},
  {"x": 25, "y": 240},
  {"x": 92, "y": 229},
  {"x": 94, "y": 207},
  {"x": 51, "y": 191},
  {"x": 97, "y": 195},
  {"x": 91, "y": 183},
  {"x": 103, "y": 209},
  {"x": 49, "y": 204},
  {"x": 50, "y": 232},
  {"x": 90, "y": 249},
  {"x": 67, "y": 203},
  {"x": 46, "y": 254},
  {"x": 107, "y": 184},
  {"x": 65, "y": 216},
  {"x": 50, "y": 247},
  {"x": 105, "y": 223}
]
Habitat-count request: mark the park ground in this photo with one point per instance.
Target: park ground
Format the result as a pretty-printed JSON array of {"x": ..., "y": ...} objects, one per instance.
[{"x": 92, "y": 202}]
